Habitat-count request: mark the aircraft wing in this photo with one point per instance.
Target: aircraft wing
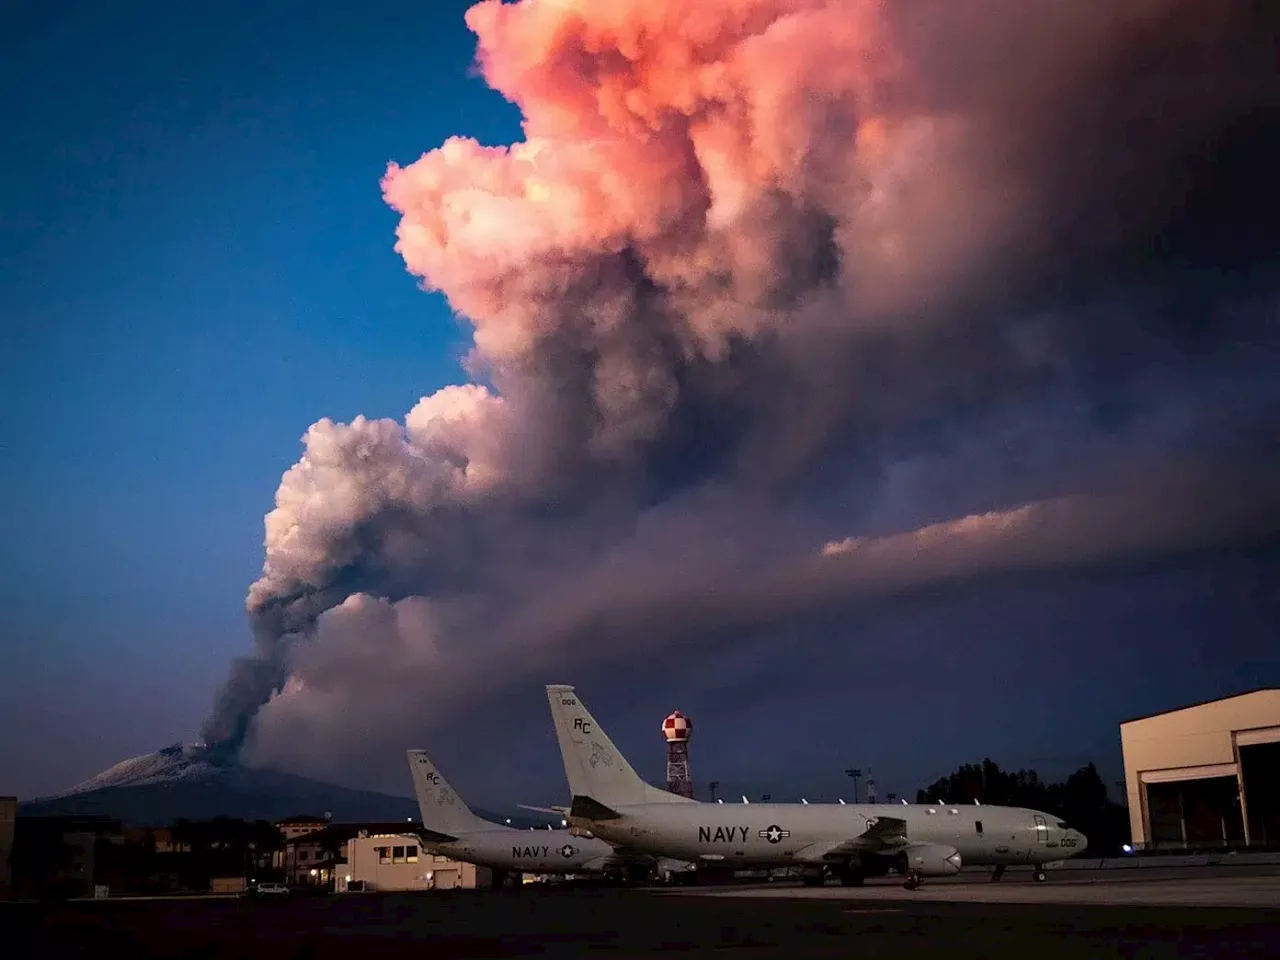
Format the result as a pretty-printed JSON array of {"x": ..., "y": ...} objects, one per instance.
[
  {"x": 434, "y": 836},
  {"x": 559, "y": 811},
  {"x": 625, "y": 858},
  {"x": 884, "y": 836}
]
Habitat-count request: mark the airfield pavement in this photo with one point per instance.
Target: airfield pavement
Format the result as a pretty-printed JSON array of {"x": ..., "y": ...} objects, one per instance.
[
  {"x": 1241, "y": 886},
  {"x": 1098, "y": 919}
]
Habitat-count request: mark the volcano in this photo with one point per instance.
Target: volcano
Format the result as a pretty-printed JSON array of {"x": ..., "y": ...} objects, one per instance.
[{"x": 190, "y": 781}]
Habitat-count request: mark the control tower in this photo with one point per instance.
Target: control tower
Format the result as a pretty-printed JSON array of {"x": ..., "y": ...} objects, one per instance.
[{"x": 676, "y": 730}]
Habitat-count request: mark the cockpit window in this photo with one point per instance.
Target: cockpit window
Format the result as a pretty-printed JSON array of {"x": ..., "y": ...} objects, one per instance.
[{"x": 1063, "y": 825}]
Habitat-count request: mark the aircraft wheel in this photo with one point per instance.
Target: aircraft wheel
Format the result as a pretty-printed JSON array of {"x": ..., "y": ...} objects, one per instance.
[
  {"x": 997, "y": 873},
  {"x": 1040, "y": 876},
  {"x": 850, "y": 877},
  {"x": 913, "y": 881}
]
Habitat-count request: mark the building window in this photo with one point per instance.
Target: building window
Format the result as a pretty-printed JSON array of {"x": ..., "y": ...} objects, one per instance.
[
  {"x": 384, "y": 854},
  {"x": 304, "y": 855},
  {"x": 398, "y": 855},
  {"x": 411, "y": 853}
]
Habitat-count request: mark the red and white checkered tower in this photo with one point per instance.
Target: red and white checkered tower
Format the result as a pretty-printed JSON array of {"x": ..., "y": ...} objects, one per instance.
[{"x": 677, "y": 729}]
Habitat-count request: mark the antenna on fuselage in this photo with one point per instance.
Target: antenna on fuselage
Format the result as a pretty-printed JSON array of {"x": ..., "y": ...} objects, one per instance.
[
  {"x": 904, "y": 801},
  {"x": 804, "y": 801},
  {"x": 842, "y": 803},
  {"x": 744, "y": 799}
]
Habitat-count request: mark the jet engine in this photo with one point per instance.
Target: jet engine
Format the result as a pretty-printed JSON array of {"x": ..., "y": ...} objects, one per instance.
[{"x": 931, "y": 860}]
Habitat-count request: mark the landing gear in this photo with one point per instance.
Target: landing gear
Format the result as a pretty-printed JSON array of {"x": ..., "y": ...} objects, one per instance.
[
  {"x": 913, "y": 881},
  {"x": 997, "y": 873},
  {"x": 812, "y": 879},
  {"x": 849, "y": 876},
  {"x": 1040, "y": 876}
]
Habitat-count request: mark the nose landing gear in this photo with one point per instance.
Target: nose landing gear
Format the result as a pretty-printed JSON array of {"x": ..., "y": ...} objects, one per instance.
[{"x": 1040, "y": 876}]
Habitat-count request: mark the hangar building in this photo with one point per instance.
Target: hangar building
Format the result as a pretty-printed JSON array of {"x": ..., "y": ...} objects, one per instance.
[
  {"x": 397, "y": 862},
  {"x": 1207, "y": 775}
]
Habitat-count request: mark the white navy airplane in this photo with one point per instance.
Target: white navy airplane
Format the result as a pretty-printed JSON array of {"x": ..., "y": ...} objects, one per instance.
[
  {"x": 851, "y": 841},
  {"x": 451, "y": 829}
]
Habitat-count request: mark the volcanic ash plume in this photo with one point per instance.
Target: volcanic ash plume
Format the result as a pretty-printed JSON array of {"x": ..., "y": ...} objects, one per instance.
[{"x": 756, "y": 265}]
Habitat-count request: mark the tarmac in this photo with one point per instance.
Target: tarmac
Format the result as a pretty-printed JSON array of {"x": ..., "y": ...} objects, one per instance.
[
  {"x": 1219, "y": 886},
  {"x": 960, "y": 918}
]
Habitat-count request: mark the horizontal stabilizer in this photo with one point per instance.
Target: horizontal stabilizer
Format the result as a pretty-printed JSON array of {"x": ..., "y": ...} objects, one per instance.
[
  {"x": 561, "y": 811},
  {"x": 585, "y": 808},
  {"x": 435, "y": 836}
]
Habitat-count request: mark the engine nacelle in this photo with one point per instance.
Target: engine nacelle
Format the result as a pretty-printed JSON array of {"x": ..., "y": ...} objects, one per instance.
[{"x": 931, "y": 860}]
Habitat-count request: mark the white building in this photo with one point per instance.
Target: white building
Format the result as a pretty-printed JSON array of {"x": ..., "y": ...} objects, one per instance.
[
  {"x": 397, "y": 862},
  {"x": 1205, "y": 775}
]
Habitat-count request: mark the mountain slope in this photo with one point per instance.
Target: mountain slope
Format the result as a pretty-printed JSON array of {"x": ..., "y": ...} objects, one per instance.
[{"x": 180, "y": 782}]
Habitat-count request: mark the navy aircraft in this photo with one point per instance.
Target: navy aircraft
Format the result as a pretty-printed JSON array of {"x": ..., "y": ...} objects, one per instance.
[
  {"x": 451, "y": 829},
  {"x": 851, "y": 841}
]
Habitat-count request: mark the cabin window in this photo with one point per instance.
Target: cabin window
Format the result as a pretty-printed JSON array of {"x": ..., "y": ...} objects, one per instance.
[{"x": 978, "y": 825}]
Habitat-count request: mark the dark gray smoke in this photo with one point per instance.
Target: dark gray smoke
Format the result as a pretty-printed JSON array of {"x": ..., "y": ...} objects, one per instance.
[{"x": 850, "y": 271}]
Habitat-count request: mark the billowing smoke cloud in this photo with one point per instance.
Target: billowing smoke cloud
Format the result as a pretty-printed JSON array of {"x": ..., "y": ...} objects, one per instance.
[{"x": 768, "y": 285}]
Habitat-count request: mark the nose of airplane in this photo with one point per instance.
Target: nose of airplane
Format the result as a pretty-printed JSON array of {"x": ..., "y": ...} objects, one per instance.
[{"x": 1081, "y": 841}]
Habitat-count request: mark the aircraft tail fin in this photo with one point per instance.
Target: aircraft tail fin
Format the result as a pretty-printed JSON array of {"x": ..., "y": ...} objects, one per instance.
[
  {"x": 594, "y": 767},
  {"x": 442, "y": 810}
]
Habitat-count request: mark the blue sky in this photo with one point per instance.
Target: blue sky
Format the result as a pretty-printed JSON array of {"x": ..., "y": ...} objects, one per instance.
[{"x": 195, "y": 264}]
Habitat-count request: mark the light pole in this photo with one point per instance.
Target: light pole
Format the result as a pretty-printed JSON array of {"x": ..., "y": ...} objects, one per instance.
[
  {"x": 714, "y": 785},
  {"x": 854, "y": 773}
]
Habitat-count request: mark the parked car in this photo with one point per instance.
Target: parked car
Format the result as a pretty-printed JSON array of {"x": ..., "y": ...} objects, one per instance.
[{"x": 268, "y": 890}]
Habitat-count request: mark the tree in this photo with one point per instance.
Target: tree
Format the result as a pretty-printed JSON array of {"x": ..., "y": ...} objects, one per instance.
[{"x": 1081, "y": 800}]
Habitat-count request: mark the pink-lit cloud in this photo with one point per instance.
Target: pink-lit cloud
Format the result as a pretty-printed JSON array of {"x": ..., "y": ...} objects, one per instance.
[{"x": 754, "y": 262}]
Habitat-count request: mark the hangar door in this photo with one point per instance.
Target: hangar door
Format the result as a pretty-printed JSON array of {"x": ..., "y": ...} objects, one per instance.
[
  {"x": 1260, "y": 771},
  {"x": 1200, "y": 812}
]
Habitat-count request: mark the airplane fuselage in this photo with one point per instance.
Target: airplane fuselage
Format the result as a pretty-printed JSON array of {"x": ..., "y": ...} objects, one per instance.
[
  {"x": 526, "y": 851},
  {"x": 770, "y": 835}
]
